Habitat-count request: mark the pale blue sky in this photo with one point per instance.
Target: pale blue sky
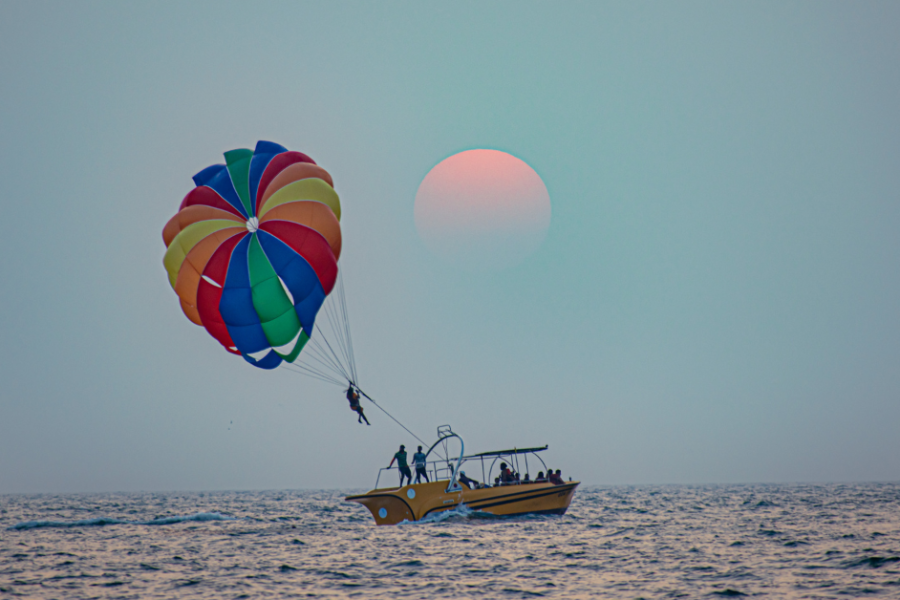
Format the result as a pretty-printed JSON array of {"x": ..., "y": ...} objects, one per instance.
[{"x": 716, "y": 300}]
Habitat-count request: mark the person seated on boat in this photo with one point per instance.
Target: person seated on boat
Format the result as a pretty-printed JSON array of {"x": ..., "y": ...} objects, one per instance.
[
  {"x": 556, "y": 478},
  {"x": 419, "y": 461},
  {"x": 400, "y": 457},
  {"x": 559, "y": 477},
  {"x": 540, "y": 478},
  {"x": 526, "y": 479},
  {"x": 496, "y": 482},
  {"x": 469, "y": 483},
  {"x": 506, "y": 477},
  {"x": 511, "y": 478},
  {"x": 353, "y": 398}
]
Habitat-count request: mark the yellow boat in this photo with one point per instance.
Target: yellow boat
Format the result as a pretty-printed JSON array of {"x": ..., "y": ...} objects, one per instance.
[{"x": 414, "y": 502}]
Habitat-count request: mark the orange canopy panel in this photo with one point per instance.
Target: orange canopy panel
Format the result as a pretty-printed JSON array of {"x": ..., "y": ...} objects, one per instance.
[
  {"x": 192, "y": 214},
  {"x": 192, "y": 268}
]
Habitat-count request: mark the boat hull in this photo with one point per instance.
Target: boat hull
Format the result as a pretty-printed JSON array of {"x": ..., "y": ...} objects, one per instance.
[{"x": 390, "y": 506}]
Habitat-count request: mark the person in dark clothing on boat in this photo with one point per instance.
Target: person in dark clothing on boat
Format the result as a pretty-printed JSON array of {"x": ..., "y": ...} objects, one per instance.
[
  {"x": 555, "y": 478},
  {"x": 353, "y": 398},
  {"x": 506, "y": 476},
  {"x": 540, "y": 478},
  {"x": 400, "y": 457},
  {"x": 419, "y": 459},
  {"x": 470, "y": 483}
]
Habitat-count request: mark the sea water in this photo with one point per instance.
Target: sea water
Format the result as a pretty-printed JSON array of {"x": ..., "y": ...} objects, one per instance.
[{"x": 771, "y": 541}]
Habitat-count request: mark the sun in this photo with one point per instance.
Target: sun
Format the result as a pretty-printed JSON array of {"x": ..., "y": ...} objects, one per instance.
[{"x": 482, "y": 209}]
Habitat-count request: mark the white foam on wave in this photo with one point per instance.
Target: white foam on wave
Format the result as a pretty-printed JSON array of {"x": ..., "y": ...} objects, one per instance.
[
  {"x": 196, "y": 517},
  {"x": 460, "y": 511},
  {"x": 102, "y": 521}
]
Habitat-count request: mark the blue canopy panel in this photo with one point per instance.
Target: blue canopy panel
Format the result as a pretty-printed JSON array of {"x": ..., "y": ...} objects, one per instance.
[
  {"x": 236, "y": 304},
  {"x": 269, "y": 361},
  {"x": 262, "y": 156},
  {"x": 298, "y": 276},
  {"x": 217, "y": 178}
]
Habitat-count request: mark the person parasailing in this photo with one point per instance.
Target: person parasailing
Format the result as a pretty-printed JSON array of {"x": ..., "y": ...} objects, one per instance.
[{"x": 353, "y": 398}]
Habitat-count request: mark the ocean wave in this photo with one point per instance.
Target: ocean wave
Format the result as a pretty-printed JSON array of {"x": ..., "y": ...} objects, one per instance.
[
  {"x": 283, "y": 539},
  {"x": 195, "y": 517},
  {"x": 872, "y": 561},
  {"x": 103, "y": 521}
]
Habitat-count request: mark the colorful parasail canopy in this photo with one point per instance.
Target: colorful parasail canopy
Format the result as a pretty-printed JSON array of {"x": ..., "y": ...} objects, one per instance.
[{"x": 252, "y": 252}]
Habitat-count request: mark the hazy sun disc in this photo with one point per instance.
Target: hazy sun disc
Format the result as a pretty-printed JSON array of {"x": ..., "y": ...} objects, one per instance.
[{"x": 482, "y": 209}]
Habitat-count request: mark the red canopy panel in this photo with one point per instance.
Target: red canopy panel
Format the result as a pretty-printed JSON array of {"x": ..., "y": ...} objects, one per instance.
[
  {"x": 208, "y": 295},
  {"x": 309, "y": 244},
  {"x": 276, "y": 165}
]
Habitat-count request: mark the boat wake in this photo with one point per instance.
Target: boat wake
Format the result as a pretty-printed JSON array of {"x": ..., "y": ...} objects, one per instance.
[
  {"x": 102, "y": 521},
  {"x": 459, "y": 513}
]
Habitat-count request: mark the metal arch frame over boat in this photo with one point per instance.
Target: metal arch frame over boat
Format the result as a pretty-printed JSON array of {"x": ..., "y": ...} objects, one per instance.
[{"x": 414, "y": 502}]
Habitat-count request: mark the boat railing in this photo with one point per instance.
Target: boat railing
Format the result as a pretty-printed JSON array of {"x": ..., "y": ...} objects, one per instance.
[
  {"x": 448, "y": 468},
  {"x": 438, "y": 470},
  {"x": 442, "y": 470}
]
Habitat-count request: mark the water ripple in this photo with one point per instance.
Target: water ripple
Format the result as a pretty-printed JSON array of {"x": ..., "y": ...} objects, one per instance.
[{"x": 801, "y": 541}]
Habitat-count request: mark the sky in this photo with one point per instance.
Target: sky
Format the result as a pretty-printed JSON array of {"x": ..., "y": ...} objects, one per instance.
[{"x": 715, "y": 301}]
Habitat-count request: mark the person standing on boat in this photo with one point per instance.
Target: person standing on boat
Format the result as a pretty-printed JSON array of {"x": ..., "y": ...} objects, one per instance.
[
  {"x": 419, "y": 462},
  {"x": 353, "y": 398},
  {"x": 400, "y": 457}
]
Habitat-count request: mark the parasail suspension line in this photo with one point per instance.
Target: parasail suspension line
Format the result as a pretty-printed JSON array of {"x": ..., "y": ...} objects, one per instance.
[
  {"x": 328, "y": 355},
  {"x": 303, "y": 370},
  {"x": 319, "y": 354},
  {"x": 330, "y": 350},
  {"x": 346, "y": 321}
]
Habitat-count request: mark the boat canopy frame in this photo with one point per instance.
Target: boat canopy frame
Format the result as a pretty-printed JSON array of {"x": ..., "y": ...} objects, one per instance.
[{"x": 453, "y": 465}]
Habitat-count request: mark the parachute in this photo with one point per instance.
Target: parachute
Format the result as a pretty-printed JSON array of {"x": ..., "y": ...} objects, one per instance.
[{"x": 253, "y": 254}]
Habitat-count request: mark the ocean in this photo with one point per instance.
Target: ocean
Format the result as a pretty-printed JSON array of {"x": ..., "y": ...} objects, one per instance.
[{"x": 769, "y": 541}]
